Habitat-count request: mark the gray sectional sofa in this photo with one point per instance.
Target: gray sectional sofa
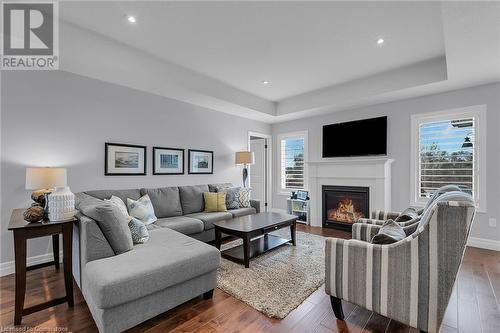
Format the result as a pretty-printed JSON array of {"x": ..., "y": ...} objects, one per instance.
[{"x": 174, "y": 266}]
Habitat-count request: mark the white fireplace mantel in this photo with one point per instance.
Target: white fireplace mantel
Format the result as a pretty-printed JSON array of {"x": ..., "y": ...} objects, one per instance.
[{"x": 374, "y": 173}]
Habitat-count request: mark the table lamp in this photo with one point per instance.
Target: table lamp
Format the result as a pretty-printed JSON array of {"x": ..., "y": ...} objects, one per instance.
[
  {"x": 50, "y": 184},
  {"x": 245, "y": 158}
]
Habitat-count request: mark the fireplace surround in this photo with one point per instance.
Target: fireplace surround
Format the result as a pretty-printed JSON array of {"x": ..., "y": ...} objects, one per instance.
[
  {"x": 344, "y": 205},
  {"x": 374, "y": 173}
]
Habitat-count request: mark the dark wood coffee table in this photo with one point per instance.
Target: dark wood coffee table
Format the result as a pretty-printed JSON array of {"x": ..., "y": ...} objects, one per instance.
[{"x": 254, "y": 230}]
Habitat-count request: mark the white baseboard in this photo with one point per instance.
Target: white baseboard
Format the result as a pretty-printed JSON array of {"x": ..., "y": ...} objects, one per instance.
[
  {"x": 9, "y": 267},
  {"x": 278, "y": 210},
  {"x": 484, "y": 243}
]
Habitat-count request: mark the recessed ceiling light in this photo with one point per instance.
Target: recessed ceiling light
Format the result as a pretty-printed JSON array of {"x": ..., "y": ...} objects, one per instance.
[
  {"x": 131, "y": 19},
  {"x": 265, "y": 82},
  {"x": 380, "y": 41}
]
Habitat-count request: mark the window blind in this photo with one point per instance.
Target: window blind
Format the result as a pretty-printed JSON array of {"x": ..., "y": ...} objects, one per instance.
[
  {"x": 292, "y": 163},
  {"x": 447, "y": 155}
]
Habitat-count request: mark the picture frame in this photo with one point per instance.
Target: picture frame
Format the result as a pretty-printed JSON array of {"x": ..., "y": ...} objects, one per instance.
[
  {"x": 200, "y": 161},
  {"x": 302, "y": 195},
  {"x": 168, "y": 161},
  {"x": 124, "y": 159}
]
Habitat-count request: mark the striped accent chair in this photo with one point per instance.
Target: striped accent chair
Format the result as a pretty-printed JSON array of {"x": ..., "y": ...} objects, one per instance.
[{"x": 409, "y": 281}]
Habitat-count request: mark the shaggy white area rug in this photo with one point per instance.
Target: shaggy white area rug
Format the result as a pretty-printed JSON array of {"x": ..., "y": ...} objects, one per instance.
[{"x": 280, "y": 280}]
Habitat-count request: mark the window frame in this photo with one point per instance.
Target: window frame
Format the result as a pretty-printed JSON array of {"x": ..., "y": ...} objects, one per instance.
[
  {"x": 478, "y": 112},
  {"x": 289, "y": 135}
]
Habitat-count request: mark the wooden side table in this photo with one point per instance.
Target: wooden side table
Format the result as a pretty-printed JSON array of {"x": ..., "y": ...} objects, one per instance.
[{"x": 24, "y": 230}]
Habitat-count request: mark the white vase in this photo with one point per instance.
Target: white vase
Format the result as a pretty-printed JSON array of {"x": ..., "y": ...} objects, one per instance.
[{"x": 61, "y": 204}]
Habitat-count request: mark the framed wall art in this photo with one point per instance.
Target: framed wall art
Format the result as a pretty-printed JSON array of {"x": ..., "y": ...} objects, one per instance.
[
  {"x": 124, "y": 160},
  {"x": 168, "y": 161},
  {"x": 200, "y": 161}
]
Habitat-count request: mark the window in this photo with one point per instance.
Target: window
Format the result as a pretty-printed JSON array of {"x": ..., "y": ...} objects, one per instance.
[
  {"x": 447, "y": 150},
  {"x": 292, "y": 148}
]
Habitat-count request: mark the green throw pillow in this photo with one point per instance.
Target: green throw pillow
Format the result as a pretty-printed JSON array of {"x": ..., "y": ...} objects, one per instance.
[{"x": 215, "y": 201}]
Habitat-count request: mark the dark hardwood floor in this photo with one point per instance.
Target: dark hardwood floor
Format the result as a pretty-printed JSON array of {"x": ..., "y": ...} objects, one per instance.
[{"x": 474, "y": 306}]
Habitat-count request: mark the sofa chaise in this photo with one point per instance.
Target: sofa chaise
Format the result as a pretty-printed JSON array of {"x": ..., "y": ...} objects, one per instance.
[{"x": 174, "y": 266}]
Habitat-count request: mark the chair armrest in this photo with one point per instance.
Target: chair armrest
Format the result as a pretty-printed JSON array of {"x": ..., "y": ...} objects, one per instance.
[
  {"x": 359, "y": 272},
  {"x": 339, "y": 276},
  {"x": 255, "y": 204},
  {"x": 370, "y": 221},
  {"x": 364, "y": 231},
  {"x": 383, "y": 215}
]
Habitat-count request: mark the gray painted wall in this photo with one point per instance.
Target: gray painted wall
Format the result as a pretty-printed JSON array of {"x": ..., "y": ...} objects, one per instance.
[
  {"x": 399, "y": 114},
  {"x": 62, "y": 119}
]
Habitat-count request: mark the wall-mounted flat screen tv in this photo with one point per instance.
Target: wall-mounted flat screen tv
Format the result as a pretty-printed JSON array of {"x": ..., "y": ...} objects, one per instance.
[{"x": 356, "y": 138}]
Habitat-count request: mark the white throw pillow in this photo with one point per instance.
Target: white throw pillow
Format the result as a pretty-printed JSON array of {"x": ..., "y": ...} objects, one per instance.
[
  {"x": 120, "y": 204},
  {"x": 142, "y": 209}
]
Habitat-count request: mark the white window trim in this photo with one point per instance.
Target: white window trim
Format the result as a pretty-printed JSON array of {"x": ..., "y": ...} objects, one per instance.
[
  {"x": 476, "y": 111},
  {"x": 279, "y": 137}
]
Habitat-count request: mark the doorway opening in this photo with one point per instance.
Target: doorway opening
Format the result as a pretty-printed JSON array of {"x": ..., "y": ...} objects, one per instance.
[{"x": 260, "y": 171}]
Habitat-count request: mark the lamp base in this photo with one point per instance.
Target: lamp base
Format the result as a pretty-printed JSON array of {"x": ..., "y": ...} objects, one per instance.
[
  {"x": 245, "y": 176},
  {"x": 61, "y": 204}
]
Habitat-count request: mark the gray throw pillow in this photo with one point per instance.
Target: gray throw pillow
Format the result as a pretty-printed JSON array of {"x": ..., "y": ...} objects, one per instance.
[
  {"x": 114, "y": 226},
  {"x": 139, "y": 231},
  {"x": 407, "y": 215},
  {"x": 87, "y": 204},
  {"x": 232, "y": 195},
  {"x": 391, "y": 232}
]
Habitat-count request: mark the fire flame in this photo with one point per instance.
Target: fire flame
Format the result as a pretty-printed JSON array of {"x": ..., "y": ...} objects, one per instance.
[{"x": 345, "y": 212}]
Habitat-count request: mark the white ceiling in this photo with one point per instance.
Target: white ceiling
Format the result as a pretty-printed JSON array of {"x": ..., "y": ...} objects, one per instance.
[
  {"x": 318, "y": 56},
  {"x": 297, "y": 46}
]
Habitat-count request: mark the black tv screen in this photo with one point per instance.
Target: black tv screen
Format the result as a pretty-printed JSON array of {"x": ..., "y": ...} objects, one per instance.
[{"x": 356, "y": 138}]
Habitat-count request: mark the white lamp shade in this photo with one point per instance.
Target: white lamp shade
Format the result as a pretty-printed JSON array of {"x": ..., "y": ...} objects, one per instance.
[
  {"x": 244, "y": 157},
  {"x": 45, "y": 178}
]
